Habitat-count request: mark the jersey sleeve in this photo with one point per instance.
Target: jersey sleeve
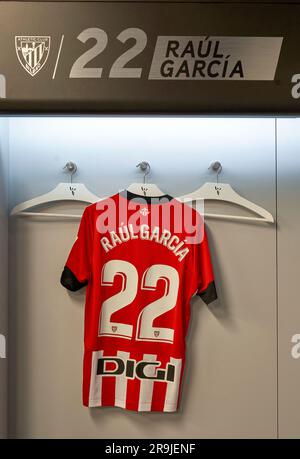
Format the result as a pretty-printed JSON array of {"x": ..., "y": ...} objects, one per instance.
[
  {"x": 77, "y": 270},
  {"x": 206, "y": 288}
]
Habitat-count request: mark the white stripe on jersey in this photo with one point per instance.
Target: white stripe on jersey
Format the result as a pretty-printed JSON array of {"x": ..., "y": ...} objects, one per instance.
[
  {"x": 146, "y": 386},
  {"x": 95, "y": 396},
  {"x": 172, "y": 392},
  {"x": 121, "y": 383}
]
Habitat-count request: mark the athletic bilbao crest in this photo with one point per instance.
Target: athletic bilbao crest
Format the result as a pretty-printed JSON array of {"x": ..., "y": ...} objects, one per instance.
[{"x": 32, "y": 52}]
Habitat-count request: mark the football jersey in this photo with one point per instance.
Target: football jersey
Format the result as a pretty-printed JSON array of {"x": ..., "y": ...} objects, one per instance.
[{"x": 142, "y": 259}]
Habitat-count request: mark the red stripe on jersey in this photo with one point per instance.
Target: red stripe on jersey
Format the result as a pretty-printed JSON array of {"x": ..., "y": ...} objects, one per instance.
[{"x": 159, "y": 395}]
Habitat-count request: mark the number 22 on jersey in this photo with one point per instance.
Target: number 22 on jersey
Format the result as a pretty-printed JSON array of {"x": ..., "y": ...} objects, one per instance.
[{"x": 130, "y": 283}]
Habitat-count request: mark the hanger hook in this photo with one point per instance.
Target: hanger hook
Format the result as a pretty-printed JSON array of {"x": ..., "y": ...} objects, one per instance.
[
  {"x": 216, "y": 166},
  {"x": 71, "y": 168},
  {"x": 144, "y": 167}
]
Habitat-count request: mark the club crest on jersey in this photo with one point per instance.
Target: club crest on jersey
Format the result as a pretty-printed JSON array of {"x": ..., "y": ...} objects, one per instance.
[
  {"x": 114, "y": 328},
  {"x": 32, "y": 52},
  {"x": 156, "y": 333},
  {"x": 144, "y": 211},
  {"x": 142, "y": 369}
]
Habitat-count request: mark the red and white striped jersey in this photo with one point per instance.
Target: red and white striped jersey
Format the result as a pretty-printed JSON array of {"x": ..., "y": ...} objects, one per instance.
[{"x": 142, "y": 260}]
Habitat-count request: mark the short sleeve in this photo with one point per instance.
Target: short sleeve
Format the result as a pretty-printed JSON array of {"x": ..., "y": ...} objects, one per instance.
[
  {"x": 206, "y": 288},
  {"x": 77, "y": 270}
]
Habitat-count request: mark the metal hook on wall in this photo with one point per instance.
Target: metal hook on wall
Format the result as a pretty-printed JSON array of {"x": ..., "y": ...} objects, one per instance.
[
  {"x": 71, "y": 168},
  {"x": 145, "y": 168},
  {"x": 216, "y": 166}
]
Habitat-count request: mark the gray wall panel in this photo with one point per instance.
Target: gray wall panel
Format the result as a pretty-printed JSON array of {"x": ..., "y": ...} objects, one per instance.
[{"x": 288, "y": 275}]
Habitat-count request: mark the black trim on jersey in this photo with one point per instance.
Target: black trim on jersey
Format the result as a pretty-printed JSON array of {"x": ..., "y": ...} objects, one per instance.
[
  {"x": 70, "y": 281},
  {"x": 209, "y": 294},
  {"x": 149, "y": 199}
]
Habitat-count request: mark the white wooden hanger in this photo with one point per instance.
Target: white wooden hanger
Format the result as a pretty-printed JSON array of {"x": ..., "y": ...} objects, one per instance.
[
  {"x": 224, "y": 192},
  {"x": 143, "y": 189},
  {"x": 62, "y": 192}
]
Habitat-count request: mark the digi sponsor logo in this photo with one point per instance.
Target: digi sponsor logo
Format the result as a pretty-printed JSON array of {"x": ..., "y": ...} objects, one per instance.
[
  {"x": 295, "y": 351},
  {"x": 32, "y": 52},
  {"x": 2, "y": 347},
  {"x": 215, "y": 58}
]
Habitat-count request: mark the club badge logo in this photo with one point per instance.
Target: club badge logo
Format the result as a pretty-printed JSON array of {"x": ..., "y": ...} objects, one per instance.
[
  {"x": 32, "y": 52},
  {"x": 144, "y": 211}
]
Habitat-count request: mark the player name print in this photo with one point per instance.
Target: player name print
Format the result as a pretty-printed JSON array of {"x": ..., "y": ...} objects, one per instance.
[
  {"x": 215, "y": 58},
  {"x": 165, "y": 237}
]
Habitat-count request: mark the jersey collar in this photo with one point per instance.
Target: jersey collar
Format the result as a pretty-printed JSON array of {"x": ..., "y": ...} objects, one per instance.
[{"x": 148, "y": 199}]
